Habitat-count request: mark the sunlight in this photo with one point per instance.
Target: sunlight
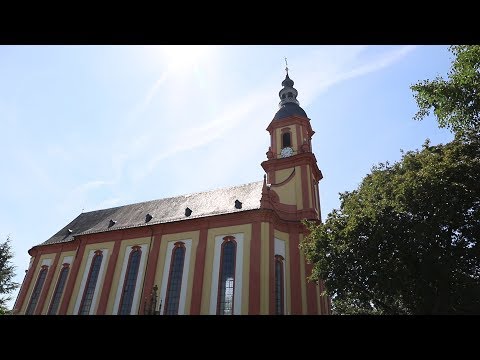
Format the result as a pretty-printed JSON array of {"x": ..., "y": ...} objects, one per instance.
[{"x": 185, "y": 57}]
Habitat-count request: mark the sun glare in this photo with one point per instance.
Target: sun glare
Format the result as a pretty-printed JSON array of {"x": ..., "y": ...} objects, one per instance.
[{"x": 184, "y": 57}]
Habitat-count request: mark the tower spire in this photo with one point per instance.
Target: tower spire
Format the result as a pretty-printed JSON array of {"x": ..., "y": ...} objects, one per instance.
[
  {"x": 288, "y": 94},
  {"x": 288, "y": 104}
]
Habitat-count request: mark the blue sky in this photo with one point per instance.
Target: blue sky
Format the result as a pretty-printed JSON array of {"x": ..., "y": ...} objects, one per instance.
[{"x": 91, "y": 127}]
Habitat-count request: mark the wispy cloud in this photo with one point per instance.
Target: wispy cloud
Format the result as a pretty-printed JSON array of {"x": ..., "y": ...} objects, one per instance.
[
  {"x": 208, "y": 132},
  {"x": 140, "y": 108},
  {"x": 108, "y": 203},
  {"x": 90, "y": 185},
  {"x": 320, "y": 81}
]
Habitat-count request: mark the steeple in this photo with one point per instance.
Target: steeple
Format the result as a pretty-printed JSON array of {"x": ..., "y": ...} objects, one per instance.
[
  {"x": 288, "y": 94},
  {"x": 289, "y": 105},
  {"x": 291, "y": 167}
]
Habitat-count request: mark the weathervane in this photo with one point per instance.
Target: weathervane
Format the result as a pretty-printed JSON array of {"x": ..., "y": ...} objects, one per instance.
[{"x": 286, "y": 65}]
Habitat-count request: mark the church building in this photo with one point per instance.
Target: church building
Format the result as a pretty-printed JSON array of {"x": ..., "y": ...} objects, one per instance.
[{"x": 230, "y": 251}]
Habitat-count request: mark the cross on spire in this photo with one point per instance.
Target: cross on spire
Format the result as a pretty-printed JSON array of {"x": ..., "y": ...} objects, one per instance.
[{"x": 286, "y": 65}]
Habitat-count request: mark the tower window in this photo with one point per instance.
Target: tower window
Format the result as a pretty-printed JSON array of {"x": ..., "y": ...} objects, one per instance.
[
  {"x": 91, "y": 283},
  {"x": 283, "y": 96},
  {"x": 286, "y": 140},
  {"x": 131, "y": 275},
  {"x": 226, "y": 285},
  {"x": 37, "y": 290},
  {"x": 290, "y": 95},
  {"x": 279, "y": 299},
  {"x": 172, "y": 298},
  {"x": 57, "y": 295}
]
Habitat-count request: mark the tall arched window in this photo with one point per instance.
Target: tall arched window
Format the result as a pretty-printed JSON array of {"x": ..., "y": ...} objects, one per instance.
[
  {"x": 131, "y": 275},
  {"x": 172, "y": 298},
  {"x": 279, "y": 290},
  {"x": 286, "y": 140},
  {"x": 37, "y": 290},
  {"x": 226, "y": 284},
  {"x": 57, "y": 294},
  {"x": 91, "y": 283}
]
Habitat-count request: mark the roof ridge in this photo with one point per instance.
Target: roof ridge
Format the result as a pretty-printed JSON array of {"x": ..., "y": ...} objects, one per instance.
[{"x": 216, "y": 189}]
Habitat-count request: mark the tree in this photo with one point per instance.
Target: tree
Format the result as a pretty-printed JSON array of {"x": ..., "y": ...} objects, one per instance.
[
  {"x": 7, "y": 273},
  {"x": 456, "y": 101},
  {"x": 407, "y": 240}
]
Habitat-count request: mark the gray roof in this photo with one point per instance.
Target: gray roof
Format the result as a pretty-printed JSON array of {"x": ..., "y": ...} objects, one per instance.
[
  {"x": 289, "y": 109},
  {"x": 208, "y": 203}
]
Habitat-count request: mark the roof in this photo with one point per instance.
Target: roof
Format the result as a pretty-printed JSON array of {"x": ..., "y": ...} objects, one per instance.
[
  {"x": 289, "y": 109},
  {"x": 202, "y": 204}
]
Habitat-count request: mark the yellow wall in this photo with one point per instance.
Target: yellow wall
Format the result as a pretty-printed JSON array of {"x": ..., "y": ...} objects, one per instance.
[
  {"x": 309, "y": 188},
  {"x": 264, "y": 269},
  {"x": 126, "y": 244},
  {"x": 53, "y": 284},
  {"x": 303, "y": 280},
  {"x": 194, "y": 236},
  {"x": 34, "y": 279},
  {"x": 286, "y": 192},
  {"x": 208, "y": 271},
  {"x": 104, "y": 245},
  {"x": 284, "y": 236},
  {"x": 281, "y": 175},
  {"x": 298, "y": 187},
  {"x": 314, "y": 194}
]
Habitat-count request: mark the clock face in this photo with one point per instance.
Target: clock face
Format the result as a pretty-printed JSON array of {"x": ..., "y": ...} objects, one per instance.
[{"x": 286, "y": 152}]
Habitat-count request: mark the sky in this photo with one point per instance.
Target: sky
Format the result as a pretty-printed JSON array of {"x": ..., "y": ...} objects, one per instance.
[{"x": 91, "y": 127}]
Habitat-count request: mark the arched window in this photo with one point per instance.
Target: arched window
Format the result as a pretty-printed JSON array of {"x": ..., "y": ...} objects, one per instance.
[
  {"x": 57, "y": 294},
  {"x": 286, "y": 140},
  {"x": 226, "y": 284},
  {"x": 91, "y": 284},
  {"x": 37, "y": 290},
  {"x": 172, "y": 298},
  {"x": 279, "y": 290},
  {"x": 130, "y": 281}
]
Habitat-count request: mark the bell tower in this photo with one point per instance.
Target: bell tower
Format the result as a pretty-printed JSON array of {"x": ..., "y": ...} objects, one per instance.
[{"x": 291, "y": 185}]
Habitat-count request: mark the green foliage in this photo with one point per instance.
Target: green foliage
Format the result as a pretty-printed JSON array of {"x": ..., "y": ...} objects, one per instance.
[
  {"x": 407, "y": 240},
  {"x": 7, "y": 273},
  {"x": 456, "y": 101}
]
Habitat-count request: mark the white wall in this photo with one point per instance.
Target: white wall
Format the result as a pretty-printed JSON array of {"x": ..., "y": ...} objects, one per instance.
[
  {"x": 84, "y": 280},
  {"x": 237, "y": 297},
  {"x": 280, "y": 250},
  {"x": 166, "y": 273},
  {"x": 138, "y": 284}
]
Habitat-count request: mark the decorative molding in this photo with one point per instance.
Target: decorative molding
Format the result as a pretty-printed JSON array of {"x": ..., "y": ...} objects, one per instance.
[
  {"x": 292, "y": 120},
  {"x": 307, "y": 158}
]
